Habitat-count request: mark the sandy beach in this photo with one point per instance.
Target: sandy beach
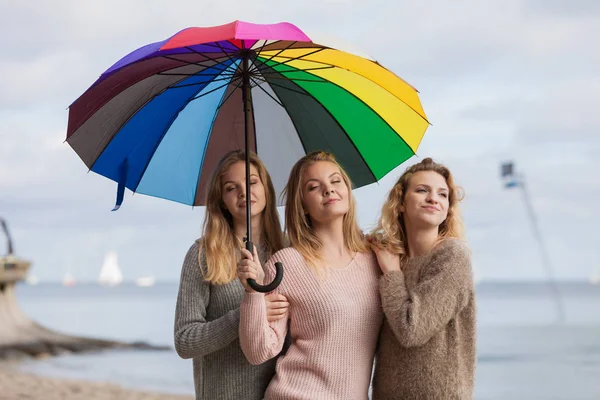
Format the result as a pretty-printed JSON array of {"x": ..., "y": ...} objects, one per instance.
[{"x": 17, "y": 386}]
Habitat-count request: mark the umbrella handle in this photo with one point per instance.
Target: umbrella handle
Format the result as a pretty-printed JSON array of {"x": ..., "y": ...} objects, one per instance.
[
  {"x": 271, "y": 286},
  {"x": 276, "y": 281}
]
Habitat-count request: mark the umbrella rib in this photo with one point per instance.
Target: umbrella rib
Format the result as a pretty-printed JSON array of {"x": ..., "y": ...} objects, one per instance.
[
  {"x": 268, "y": 94},
  {"x": 286, "y": 88},
  {"x": 257, "y": 71},
  {"x": 237, "y": 86},
  {"x": 284, "y": 78},
  {"x": 123, "y": 124},
  {"x": 196, "y": 63},
  {"x": 222, "y": 49},
  {"x": 300, "y": 70},
  {"x": 356, "y": 73},
  {"x": 199, "y": 83},
  {"x": 217, "y": 46},
  {"x": 289, "y": 59},
  {"x": 302, "y": 142},
  {"x": 281, "y": 50},
  {"x": 210, "y": 91},
  {"x": 194, "y": 74},
  {"x": 257, "y": 52},
  {"x": 279, "y": 75},
  {"x": 376, "y": 113},
  {"x": 162, "y": 137},
  {"x": 335, "y": 121},
  {"x": 204, "y": 54},
  {"x": 206, "y": 144}
]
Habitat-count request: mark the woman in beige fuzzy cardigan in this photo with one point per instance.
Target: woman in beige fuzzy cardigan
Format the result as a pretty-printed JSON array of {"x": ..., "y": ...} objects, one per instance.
[{"x": 427, "y": 343}]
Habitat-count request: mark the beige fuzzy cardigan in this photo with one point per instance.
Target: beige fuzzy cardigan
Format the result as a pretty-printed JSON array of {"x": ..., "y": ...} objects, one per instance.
[{"x": 427, "y": 342}]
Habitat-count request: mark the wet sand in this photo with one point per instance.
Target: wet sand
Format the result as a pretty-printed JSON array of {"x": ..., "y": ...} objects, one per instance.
[{"x": 16, "y": 386}]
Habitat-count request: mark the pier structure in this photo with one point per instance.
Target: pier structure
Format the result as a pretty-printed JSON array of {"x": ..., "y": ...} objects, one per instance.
[{"x": 20, "y": 336}]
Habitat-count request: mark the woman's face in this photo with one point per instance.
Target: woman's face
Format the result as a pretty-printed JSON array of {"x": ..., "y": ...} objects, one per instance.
[
  {"x": 233, "y": 189},
  {"x": 426, "y": 200},
  {"x": 324, "y": 192}
]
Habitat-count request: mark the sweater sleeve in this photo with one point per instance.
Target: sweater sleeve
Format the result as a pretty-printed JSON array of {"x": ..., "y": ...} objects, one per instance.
[
  {"x": 259, "y": 339},
  {"x": 416, "y": 315},
  {"x": 194, "y": 335}
]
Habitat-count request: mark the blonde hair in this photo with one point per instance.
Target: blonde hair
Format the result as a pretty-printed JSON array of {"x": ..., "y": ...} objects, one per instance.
[
  {"x": 300, "y": 232},
  {"x": 390, "y": 231},
  {"x": 219, "y": 243}
]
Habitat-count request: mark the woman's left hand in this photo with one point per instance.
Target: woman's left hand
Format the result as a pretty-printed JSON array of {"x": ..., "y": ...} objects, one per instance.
[
  {"x": 277, "y": 306},
  {"x": 388, "y": 261}
]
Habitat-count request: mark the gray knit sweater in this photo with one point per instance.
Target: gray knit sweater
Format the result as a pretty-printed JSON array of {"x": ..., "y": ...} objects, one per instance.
[
  {"x": 207, "y": 321},
  {"x": 427, "y": 343}
]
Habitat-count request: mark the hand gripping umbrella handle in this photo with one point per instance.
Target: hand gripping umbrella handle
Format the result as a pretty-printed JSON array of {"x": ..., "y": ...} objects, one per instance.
[{"x": 271, "y": 286}]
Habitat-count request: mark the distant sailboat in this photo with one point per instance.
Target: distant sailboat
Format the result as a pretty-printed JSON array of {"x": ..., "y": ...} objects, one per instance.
[
  {"x": 145, "y": 281},
  {"x": 68, "y": 280},
  {"x": 31, "y": 280},
  {"x": 110, "y": 274}
]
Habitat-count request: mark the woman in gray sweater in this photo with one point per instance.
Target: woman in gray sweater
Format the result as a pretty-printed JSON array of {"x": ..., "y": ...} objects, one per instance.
[
  {"x": 427, "y": 342},
  {"x": 207, "y": 314}
]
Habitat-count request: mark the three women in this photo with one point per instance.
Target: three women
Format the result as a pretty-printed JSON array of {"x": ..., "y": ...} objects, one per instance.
[{"x": 419, "y": 274}]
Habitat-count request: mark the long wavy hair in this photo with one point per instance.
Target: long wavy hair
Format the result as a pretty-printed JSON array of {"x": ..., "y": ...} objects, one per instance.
[
  {"x": 390, "y": 231},
  {"x": 299, "y": 229},
  {"x": 219, "y": 246}
]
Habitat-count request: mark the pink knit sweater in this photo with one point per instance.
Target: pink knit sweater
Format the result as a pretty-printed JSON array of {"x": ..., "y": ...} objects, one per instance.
[{"x": 334, "y": 325}]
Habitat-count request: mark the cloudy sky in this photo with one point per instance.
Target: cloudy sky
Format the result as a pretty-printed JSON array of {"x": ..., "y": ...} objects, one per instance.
[{"x": 499, "y": 79}]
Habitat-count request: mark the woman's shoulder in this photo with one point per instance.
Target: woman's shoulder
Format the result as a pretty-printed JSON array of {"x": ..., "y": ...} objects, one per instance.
[
  {"x": 367, "y": 260},
  {"x": 366, "y": 256},
  {"x": 194, "y": 255},
  {"x": 287, "y": 254},
  {"x": 196, "y": 244},
  {"x": 453, "y": 245},
  {"x": 194, "y": 248},
  {"x": 451, "y": 250}
]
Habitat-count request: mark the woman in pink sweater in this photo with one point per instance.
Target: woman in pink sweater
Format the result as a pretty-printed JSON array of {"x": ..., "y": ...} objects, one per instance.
[
  {"x": 331, "y": 283},
  {"x": 427, "y": 342}
]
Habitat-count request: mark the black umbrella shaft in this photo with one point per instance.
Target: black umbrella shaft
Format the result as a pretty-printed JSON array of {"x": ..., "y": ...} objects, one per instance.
[
  {"x": 247, "y": 110},
  {"x": 247, "y": 100}
]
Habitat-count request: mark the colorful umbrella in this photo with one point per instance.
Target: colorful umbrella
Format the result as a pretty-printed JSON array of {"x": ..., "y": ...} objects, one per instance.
[{"x": 158, "y": 120}]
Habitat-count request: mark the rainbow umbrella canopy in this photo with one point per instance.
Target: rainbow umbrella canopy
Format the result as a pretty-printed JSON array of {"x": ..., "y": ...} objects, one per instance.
[{"x": 159, "y": 119}]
